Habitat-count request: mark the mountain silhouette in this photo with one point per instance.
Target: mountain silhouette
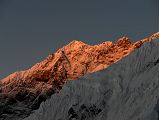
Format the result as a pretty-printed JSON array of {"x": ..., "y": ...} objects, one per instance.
[{"x": 24, "y": 91}]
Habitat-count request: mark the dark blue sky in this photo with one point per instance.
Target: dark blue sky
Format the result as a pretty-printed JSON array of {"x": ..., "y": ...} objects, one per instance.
[{"x": 32, "y": 29}]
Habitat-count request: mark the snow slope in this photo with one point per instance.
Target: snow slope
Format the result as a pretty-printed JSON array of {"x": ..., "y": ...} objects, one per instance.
[{"x": 127, "y": 90}]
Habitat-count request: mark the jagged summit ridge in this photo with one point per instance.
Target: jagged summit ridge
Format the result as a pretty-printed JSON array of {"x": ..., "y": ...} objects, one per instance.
[
  {"x": 123, "y": 40},
  {"x": 127, "y": 90},
  {"x": 74, "y": 60},
  {"x": 77, "y": 42}
]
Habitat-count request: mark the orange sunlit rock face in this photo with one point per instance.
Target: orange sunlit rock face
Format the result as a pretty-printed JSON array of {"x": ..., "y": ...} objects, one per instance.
[{"x": 68, "y": 63}]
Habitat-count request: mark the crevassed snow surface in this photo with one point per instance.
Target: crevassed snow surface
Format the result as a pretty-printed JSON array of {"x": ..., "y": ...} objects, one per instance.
[{"x": 127, "y": 90}]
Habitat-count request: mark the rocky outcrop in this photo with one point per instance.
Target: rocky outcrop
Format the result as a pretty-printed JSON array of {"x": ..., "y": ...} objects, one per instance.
[
  {"x": 23, "y": 91},
  {"x": 127, "y": 90}
]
